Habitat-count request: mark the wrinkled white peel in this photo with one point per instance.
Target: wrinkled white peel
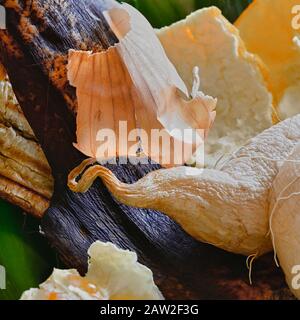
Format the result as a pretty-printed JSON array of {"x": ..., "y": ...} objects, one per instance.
[
  {"x": 285, "y": 218},
  {"x": 134, "y": 81},
  {"x": 228, "y": 72},
  {"x": 113, "y": 274},
  {"x": 227, "y": 207}
]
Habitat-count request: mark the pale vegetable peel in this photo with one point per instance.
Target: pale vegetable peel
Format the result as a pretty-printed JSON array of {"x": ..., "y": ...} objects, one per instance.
[
  {"x": 135, "y": 82},
  {"x": 227, "y": 207},
  {"x": 285, "y": 218},
  {"x": 113, "y": 274},
  {"x": 228, "y": 72}
]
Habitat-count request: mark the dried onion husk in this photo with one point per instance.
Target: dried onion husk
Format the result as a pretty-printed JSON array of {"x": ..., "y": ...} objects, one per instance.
[{"x": 135, "y": 82}]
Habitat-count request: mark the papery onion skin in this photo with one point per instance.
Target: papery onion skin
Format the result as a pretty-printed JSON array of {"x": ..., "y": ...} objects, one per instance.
[
  {"x": 227, "y": 207},
  {"x": 135, "y": 82}
]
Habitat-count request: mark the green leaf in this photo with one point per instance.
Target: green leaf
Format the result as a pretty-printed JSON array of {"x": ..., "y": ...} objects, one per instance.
[
  {"x": 164, "y": 12},
  {"x": 231, "y": 9},
  {"x": 27, "y": 259}
]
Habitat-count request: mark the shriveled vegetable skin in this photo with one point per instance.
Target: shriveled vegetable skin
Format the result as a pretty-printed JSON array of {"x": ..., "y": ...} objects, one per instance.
[
  {"x": 227, "y": 207},
  {"x": 25, "y": 175},
  {"x": 285, "y": 219},
  {"x": 183, "y": 268}
]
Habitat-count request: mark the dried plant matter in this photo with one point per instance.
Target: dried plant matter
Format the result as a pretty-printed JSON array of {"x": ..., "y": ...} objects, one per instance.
[
  {"x": 134, "y": 81},
  {"x": 24, "y": 172},
  {"x": 10, "y": 112},
  {"x": 22, "y": 197},
  {"x": 227, "y": 207}
]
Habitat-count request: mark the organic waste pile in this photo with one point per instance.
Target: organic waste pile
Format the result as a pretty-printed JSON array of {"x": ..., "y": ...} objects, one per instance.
[{"x": 239, "y": 83}]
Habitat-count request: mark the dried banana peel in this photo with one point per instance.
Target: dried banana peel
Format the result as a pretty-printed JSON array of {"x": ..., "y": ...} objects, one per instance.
[{"x": 25, "y": 175}]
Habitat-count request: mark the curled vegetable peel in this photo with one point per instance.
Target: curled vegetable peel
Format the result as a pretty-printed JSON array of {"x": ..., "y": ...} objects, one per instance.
[
  {"x": 227, "y": 206},
  {"x": 135, "y": 82}
]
